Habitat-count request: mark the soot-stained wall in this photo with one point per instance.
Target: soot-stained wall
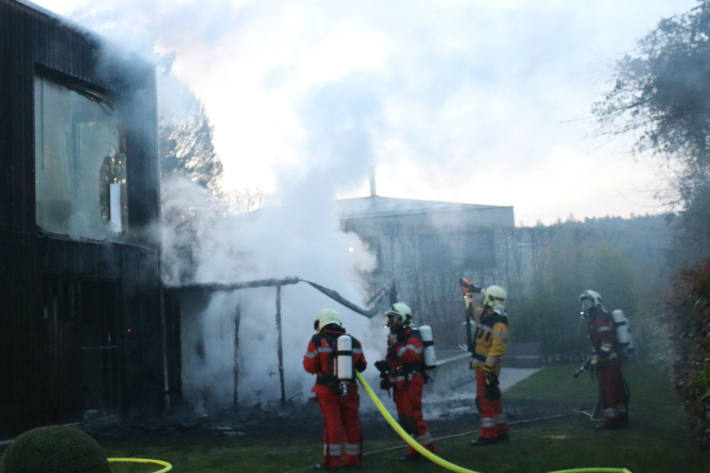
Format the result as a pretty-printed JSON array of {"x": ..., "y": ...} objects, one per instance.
[{"x": 82, "y": 332}]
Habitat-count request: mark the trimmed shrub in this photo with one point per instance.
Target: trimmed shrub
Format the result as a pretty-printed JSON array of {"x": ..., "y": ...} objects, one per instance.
[{"x": 55, "y": 448}]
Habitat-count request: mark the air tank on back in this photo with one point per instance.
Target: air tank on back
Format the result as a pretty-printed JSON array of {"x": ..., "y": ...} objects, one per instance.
[
  {"x": 344, "y": 363},
  {"x": 429, "y": 352},
  {"x": 623, "y": 331}
]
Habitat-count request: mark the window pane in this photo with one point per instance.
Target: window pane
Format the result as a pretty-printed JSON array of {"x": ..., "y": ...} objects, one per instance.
[{"x": 79, "y": 153}]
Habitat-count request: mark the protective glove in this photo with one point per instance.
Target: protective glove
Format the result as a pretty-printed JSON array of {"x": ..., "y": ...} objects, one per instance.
[
  {"x": 606, "y": 352},
  {"x": 492, "y": 389},
  {"x": 466, "y": 285},
  {"x": 382, "y": 366},
  {"x": 487, "y": 368}
]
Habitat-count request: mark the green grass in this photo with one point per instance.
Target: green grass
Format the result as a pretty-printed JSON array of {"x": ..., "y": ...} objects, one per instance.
[
  {"x": 652, "y": 396},
  {"x": 656, "y": 441}
]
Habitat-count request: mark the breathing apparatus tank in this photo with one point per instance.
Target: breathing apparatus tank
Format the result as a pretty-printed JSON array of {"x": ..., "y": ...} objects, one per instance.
[
  {"x": 623, "y": 331},
  {"x": 428, "y": 342},
  {"x": 344, "y": 363}
]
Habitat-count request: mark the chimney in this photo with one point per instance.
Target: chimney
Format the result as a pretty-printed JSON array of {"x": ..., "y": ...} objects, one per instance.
[{"x": 373, "y": 187}]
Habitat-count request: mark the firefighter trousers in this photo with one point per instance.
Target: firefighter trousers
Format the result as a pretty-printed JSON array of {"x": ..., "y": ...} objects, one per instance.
[
  {"x": 408, "y": 399},
  {"x": 493, "y": 421},
  {"x": 340, "y": 414},
  {"x": 612, "y": 393}
]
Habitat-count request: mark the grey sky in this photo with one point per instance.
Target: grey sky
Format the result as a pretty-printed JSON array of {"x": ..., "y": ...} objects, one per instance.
[{"x": 472, "y": 101}]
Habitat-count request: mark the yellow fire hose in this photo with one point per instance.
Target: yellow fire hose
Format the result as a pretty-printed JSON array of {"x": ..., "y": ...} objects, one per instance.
[
  {"x": 594, "y": 470},
  {"x": 408, "y": 438},
  {"x": 167, "y": 466},
  {"x": 437, "y": 459}
]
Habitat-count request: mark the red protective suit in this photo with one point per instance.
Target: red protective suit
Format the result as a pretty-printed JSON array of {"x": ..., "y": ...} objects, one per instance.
[
  {"x": 612, "y": 391},
  {"x": 339, "y": 412},
  {"x": 406, "y": 361}
]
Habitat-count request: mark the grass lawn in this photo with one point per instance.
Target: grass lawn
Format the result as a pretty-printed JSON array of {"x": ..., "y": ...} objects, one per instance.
[{"x": 657, "y": 439}]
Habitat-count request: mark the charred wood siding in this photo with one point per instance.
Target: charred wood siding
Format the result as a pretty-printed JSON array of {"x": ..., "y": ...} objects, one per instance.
[
  {"x": 5, "y": 122},
  {"x": 174, "y": 346},
  {"x": 72, "y": 309},
  {"x": 42, "y": 355}
]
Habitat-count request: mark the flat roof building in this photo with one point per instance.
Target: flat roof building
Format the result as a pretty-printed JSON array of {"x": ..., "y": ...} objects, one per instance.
[{"x": 426, "y": 246}]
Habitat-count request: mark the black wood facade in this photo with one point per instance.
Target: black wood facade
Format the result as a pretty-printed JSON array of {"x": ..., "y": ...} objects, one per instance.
[{"x": 81, "y": 329}]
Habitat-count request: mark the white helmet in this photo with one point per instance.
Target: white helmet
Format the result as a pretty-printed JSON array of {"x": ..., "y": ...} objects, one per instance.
[
  {"x": 494, "y": 297},
  {"x": 590, "y": 299},
  {"x": 400, "y": 309},
  {"x": 592, "y": 296},
  {"x": 326, "y": 317}
]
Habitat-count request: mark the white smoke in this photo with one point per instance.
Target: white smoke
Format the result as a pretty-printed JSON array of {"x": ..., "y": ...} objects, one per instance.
[
  {"x": 301, "y": 239},
  {"x": 297, "y": 234}
]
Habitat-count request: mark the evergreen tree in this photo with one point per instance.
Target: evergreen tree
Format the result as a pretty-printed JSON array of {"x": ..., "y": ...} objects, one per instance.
[
  {"x": 186, "y": 149},
  {"x": 190, "y": 174}
]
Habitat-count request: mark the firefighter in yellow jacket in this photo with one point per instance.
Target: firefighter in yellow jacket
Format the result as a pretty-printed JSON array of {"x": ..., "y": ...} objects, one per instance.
[{"x": 489, "y": 344}]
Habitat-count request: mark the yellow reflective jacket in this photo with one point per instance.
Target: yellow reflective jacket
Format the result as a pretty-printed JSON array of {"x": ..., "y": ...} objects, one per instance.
[{"x": 490, "y": 342}]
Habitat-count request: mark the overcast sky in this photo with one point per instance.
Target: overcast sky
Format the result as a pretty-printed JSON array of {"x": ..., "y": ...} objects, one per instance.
[{"x": 470, "y": 101}]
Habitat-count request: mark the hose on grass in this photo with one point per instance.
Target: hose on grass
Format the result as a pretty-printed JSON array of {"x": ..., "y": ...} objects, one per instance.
[
  {"x": 465, "y": 434},
  {"x": 594, "y": 470},
  {"x": 166, "y": 466},
  {"x": 405, "y": 436},
  {"x": 437, "y": 459}
]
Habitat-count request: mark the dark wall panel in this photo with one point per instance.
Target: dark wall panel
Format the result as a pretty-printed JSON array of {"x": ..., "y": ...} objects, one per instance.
[
  {"x": 49, "y": 283},
  {"x": 5, "y": 121},
  {"x": 41, "y": 348}
]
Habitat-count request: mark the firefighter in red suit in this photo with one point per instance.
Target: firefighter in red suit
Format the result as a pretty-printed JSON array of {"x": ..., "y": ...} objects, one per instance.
[
  {"x": 339, "y": 408},
  {"x": 405, "y": 360},
  {"x": 606, "y": 360},
  {"x": 489, "y": 344}
]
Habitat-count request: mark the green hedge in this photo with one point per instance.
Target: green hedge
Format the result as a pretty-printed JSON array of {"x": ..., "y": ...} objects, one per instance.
[{"x": 691, "y": 329}]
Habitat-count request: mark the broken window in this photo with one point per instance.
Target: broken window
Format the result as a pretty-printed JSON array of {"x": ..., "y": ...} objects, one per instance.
[{"x": 80, "y": 163}]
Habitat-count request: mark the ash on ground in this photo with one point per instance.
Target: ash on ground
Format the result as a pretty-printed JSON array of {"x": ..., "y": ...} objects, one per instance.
[{"x": 277, "y": 420}]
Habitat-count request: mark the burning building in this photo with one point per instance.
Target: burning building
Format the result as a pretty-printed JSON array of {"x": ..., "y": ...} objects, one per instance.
[{"x": 81, "y": 295}]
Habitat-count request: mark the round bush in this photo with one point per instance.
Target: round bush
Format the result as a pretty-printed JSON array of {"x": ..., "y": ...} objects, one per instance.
[{"x": 55, "y": 448}]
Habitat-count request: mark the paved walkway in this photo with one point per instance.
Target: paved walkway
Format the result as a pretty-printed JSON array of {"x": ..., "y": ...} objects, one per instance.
[
  {"x": 510, "y": 376},
  {"x": 453, "y": 373}
]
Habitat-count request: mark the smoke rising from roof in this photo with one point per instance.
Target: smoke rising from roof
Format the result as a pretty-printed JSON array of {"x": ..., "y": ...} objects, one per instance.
[
  {"x": 300, "y": 236},
  {"x": 297, "y": 235}
]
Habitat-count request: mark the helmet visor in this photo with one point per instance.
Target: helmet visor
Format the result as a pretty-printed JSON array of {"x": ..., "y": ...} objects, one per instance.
[{"x": 587, "y": 304}]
